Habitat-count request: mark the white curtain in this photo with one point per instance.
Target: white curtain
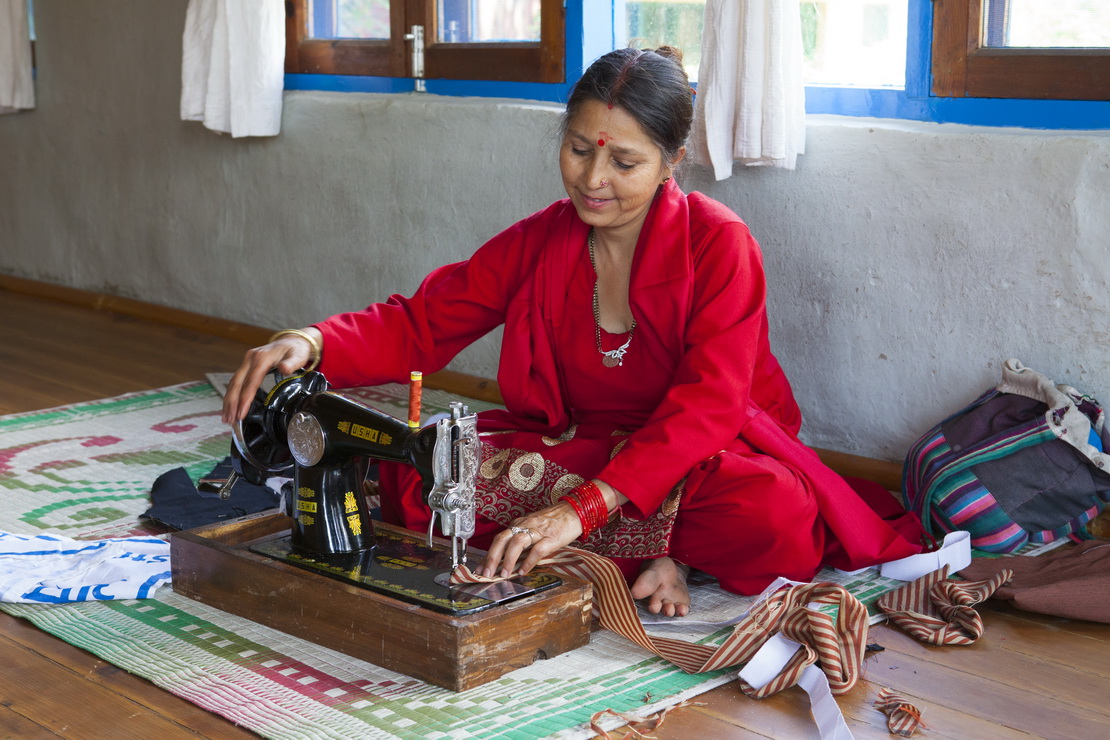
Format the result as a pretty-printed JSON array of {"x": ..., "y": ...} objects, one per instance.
[
  {"x": 232, "y": 68},
  {"x": 17, "y": 91},
  {"x": 751, "y": 98}
]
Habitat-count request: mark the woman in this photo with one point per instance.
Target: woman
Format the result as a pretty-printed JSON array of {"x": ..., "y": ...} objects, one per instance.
[{"x": 646, "y": 417}]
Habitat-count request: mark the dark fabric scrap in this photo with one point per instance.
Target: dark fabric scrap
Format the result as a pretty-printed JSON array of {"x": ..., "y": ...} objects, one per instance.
[
  {"x": 176, "y": 503},
  {"x": 1072, "y": 582}
]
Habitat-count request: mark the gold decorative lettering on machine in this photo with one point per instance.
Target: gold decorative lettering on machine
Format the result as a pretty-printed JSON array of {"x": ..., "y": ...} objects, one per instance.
[
  {"x": 358, "y": 430},
  {"x": 364, "y": 432}
]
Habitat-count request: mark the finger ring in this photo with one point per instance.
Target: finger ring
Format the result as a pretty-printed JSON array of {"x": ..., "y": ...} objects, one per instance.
[{"x": 522, "y": 530}]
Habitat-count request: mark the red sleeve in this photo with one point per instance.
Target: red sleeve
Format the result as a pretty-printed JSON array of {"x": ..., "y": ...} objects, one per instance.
[
  {"x": 705, "y": 407},
  {"x": 454, "y": 306}
]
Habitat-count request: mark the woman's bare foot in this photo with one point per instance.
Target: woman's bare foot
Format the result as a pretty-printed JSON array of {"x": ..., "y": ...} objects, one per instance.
[{"x": 663, "y": 583}]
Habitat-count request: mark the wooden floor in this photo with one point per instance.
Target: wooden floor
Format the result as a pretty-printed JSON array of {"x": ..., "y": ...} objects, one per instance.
[{"x": 1030, "y": 676}]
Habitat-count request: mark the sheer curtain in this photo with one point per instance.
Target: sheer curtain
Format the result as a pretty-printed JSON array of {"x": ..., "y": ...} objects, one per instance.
[
  {"x": 751, "y": 98},
  {"x": 233, "y": 65},
  {"x": 17, "y": 91}
]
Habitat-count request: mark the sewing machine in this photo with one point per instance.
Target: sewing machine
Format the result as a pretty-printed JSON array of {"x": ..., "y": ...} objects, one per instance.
[
  {"x": 324, "y": 571},
  {"x": 322, "y": 439}
]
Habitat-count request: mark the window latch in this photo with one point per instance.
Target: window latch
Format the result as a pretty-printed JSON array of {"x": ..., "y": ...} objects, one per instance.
[{"x": 417, "y": 39}]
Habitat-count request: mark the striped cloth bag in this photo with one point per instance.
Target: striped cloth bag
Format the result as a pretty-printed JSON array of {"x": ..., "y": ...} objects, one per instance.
[{"x": 1023, "y": 463}]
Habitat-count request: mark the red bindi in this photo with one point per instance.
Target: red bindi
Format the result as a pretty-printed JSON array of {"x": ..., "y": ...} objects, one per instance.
[
  {"x": 601, "y": 142},
  {"x": 603, "y": 136}
]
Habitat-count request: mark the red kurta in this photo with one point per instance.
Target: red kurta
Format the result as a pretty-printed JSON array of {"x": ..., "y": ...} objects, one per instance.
[{"x": 700, "y": 411}]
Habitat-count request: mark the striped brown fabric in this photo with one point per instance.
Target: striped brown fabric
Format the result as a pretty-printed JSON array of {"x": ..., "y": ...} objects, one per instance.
[
  {"x": 938, "y": 611},
  {"x": 837, "y": 642},
  {"x": 902, "y": 718}
]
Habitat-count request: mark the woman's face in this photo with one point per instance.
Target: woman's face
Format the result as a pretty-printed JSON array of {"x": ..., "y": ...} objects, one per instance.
[{"x": 611, "y": 168}]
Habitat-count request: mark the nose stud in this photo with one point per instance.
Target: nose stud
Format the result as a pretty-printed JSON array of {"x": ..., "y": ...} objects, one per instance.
[{"x": 604, "y": 183}]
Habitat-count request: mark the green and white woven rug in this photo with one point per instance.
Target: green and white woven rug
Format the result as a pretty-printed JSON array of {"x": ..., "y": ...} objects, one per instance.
[{"x": 86, "y": 470}]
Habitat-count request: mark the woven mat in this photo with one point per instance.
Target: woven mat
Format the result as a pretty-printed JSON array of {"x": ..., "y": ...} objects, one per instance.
[{"x": 86, "y": 470}]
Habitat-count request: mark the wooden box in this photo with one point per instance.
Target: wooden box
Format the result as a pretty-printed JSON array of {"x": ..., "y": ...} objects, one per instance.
[{"x": 213, "y": 566}]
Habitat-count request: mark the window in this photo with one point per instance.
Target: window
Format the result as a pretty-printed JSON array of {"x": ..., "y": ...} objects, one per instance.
[
  {"x": 357, "y": 54},
  {"x": 506, "y": 40},
  {"x": 649, "y": 24},
  {"x": 861, "y": 43},
  {"x": 1022, "y": 49}
]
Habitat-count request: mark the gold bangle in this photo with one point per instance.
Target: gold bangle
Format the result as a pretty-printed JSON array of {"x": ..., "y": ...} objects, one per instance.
[{"x": 314, "y": 346}]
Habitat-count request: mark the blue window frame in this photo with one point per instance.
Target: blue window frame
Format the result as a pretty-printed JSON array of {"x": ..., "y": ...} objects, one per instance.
[
  {"x": 916, "y": 103},
  {"x": 590, "y": 26}
]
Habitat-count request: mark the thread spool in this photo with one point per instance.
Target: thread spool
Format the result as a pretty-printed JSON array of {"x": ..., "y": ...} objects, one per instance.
[{"x": 416, "y": 387}]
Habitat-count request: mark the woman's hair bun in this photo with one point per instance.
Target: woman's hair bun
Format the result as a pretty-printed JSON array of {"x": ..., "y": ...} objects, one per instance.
[{"x": 670, "y": 52}]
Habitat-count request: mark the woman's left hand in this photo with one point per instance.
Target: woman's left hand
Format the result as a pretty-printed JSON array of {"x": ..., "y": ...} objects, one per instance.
[{"x": 538, "y": 534}]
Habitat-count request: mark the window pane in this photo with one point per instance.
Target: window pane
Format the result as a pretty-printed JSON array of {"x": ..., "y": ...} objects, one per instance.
[
  {"x": 1041, "y": 24},
  {"x": 348, "y": 19},
  {"x": 649, "y": 24},
  {"x": 861, "y": 43},
  {"x": 471, "y": 21}
]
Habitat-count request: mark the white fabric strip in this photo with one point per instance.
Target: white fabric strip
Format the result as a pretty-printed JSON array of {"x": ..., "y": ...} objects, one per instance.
[
  {"x": 955, "y": 552},
  {"x": 826, "y": 712},
  {"x": 769, "y": 662}
]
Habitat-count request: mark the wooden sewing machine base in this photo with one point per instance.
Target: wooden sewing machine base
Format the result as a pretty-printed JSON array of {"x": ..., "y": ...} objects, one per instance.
[{"x": 217, "y": 566}]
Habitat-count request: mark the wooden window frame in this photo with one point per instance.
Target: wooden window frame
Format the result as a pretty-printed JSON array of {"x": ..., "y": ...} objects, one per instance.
[
  {"x": 964, "y": 67},
  {"x": 541, "y": 61}
]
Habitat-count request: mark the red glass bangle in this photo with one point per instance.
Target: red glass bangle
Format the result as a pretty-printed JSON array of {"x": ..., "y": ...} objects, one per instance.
[
  {"x": 594, "y": 502},
  {"x": 580, "y": 510},
  {"x": 588, "y": 503}
]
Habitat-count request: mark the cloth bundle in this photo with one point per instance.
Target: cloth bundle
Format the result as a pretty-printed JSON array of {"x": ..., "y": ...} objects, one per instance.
[
  {"x": 178, "y": 504},
  {"x": 1073, "y": 582},
  {"x": 1023, "y": 463},
  {"x": 46, "y": 569}
]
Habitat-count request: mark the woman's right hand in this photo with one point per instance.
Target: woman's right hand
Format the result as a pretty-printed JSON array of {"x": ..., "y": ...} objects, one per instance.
[{"x": 288, "y": 353}]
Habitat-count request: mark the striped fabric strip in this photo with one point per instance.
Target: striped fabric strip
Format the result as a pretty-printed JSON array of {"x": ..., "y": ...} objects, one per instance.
[
  {"x": 938, "y": 611},
  {"x": 654, "y": 722},
  {"x": 838, "y": 643},
  {"x": 902, "y": 718}
]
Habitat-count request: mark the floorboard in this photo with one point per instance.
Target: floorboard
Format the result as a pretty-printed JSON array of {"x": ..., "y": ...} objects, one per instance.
[{"x": 1029, "y": 676}]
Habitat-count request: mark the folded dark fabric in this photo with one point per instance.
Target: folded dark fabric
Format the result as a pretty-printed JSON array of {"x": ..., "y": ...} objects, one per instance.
[
  {"x": 176, "y": 503},
  {"x": 1072, "y": 582}
]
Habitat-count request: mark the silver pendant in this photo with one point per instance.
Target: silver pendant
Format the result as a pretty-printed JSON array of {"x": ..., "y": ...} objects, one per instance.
[{"x": 610, "y": 361}]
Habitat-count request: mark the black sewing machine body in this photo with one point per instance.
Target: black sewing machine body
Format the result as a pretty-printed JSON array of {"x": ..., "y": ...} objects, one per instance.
[{"x": 324, "y": 441}]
